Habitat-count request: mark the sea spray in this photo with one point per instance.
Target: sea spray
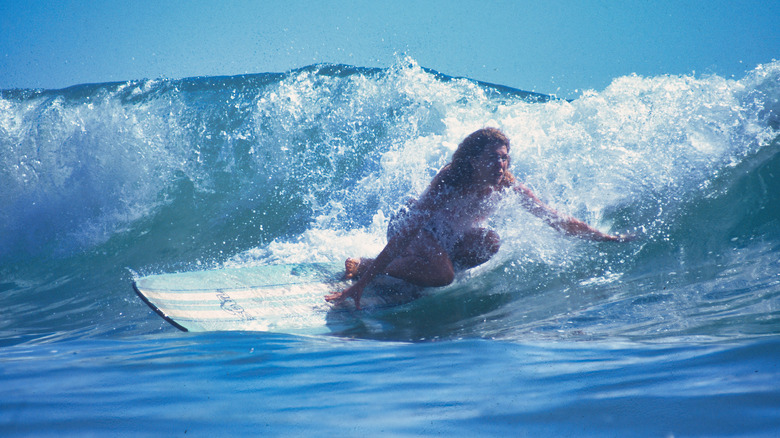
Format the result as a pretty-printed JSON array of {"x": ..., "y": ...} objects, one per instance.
[{"x": 160, "y": 175}]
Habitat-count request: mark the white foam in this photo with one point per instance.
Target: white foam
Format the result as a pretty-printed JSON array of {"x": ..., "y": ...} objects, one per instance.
[{"x": 642, "y": 139}]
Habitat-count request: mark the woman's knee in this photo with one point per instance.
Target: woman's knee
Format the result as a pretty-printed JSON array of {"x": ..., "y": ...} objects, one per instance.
[
  {"x": 444, "y": 276},
  {"x": 477, "y": 248},
  {"x": 491, "y": 242}
]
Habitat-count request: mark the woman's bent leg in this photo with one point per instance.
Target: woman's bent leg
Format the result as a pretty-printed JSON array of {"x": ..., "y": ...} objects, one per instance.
[
  {"x": 425, "y": 263},
  {"x": 356, "y": 267},
  {"x": 475, "y": 248}
]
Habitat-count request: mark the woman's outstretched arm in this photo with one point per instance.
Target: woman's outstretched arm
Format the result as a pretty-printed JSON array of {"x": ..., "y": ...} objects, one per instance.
[{"x": 565, "y": 224}]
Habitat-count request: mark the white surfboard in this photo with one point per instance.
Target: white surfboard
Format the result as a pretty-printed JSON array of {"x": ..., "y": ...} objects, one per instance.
[{"x": 274, "y": 298}]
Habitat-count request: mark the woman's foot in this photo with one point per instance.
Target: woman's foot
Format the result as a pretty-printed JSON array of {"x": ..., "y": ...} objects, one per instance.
[{"x": 355, "y": 267}]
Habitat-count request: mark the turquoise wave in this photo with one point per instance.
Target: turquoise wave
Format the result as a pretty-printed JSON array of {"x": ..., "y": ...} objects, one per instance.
[{"x": 162, "y": 175}]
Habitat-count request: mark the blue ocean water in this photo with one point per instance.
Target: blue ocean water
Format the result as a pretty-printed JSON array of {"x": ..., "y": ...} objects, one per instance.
[{"x": 674, "y": 334}]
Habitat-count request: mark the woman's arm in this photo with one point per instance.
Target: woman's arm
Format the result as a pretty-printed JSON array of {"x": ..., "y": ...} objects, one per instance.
[
  {"x": 394, "y": 248},
  {"x": 421, "y": 212},
  {"x": 565, "y": 224}
]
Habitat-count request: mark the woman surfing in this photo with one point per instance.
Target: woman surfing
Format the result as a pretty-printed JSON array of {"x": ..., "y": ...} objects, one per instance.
[{"x": 442, "y": 232}]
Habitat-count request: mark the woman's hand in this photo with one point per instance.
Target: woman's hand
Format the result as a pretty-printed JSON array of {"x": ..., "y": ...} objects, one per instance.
[{"x": 355, "y": 292}]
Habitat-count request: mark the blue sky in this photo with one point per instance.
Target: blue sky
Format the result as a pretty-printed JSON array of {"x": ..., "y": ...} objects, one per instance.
[{"x": 547, "y": 46}]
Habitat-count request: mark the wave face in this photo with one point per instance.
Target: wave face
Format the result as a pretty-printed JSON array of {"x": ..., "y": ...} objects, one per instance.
[{"x": 161, "y": 175}]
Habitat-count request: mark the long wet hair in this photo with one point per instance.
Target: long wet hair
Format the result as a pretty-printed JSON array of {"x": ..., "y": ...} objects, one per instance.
[{"x": 458, "y": 173}]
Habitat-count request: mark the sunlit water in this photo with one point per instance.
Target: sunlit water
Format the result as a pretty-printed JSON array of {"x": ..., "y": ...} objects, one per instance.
[{"x": 672, "y": 334}]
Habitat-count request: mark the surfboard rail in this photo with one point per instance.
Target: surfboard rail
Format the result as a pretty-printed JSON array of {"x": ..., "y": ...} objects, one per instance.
[{"x": 285, "y": 298}]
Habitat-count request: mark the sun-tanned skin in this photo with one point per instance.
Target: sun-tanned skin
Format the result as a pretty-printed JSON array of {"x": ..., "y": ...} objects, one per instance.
[{"x": 459, "y": 199}]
